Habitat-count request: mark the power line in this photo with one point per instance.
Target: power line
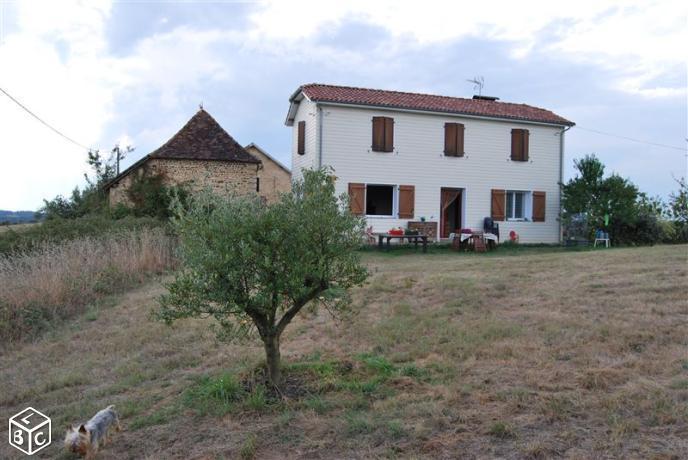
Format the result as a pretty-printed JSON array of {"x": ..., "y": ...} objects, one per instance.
[
  {"x": 682, "y": 149},
  {"x": 42, "y": 121}
]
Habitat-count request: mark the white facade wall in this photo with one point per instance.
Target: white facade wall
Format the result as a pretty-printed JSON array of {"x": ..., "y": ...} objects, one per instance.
[
  {"x": 418, "y": 160},
  {"x": 307, "y": 112}
]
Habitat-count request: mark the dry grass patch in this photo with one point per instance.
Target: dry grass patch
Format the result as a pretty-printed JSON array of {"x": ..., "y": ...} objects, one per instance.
[
  {"x": 538, "y": 355},
  {"x": 56, "y": 281}
]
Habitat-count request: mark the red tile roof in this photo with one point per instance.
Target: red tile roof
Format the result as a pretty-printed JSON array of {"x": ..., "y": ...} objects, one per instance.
[{"x": 428, "y": 102}]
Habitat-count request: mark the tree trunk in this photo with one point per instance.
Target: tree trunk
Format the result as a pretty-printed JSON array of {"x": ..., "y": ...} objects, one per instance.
[{"x": 272, "y": 356}]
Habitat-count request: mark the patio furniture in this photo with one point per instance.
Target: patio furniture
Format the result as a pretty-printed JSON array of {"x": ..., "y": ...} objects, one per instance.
[
  {"x": 601, "y": 237},
  {"x": 491, "y": 227},
  {"x": 423, "y": 239},
  {"x": 478, "y": 242},
  {"x": 370, "y": 236},
  {"x": 487, "y": 240}
]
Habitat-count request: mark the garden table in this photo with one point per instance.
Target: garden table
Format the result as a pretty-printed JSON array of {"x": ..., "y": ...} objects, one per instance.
[{"x": 415, "y": 238}]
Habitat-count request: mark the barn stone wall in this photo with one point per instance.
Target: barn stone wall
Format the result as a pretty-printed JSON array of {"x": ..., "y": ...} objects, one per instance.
[
  {"x": 222, "y": 177},
  {"x": 273, "y": 178}
]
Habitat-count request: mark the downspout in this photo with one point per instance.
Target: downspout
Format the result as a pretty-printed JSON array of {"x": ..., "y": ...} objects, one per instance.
[
  {"x": 561, "y": 176},
  {"x": 319, "y": 133}
]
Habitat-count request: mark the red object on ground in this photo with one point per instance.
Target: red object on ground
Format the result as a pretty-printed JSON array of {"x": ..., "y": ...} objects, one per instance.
[{"x": 513, "y": 236}]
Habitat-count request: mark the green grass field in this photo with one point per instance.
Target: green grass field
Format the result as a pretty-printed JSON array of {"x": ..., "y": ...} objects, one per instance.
[{"x": 535, "y": 353}]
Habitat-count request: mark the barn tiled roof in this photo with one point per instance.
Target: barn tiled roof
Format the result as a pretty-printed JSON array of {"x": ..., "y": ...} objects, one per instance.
[
  {"x": 202, "y": 138},
  {"x": 428, "y": 102}
]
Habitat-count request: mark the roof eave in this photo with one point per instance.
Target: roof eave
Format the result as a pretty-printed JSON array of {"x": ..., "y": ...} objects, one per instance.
[
  {"x": 294, "y": 101},
  {"x": 228, "y": 160},
  {"x": 276, "y": 161},
  {"x": 126, "y": 172},
  {"x": 564, "y": 122}
]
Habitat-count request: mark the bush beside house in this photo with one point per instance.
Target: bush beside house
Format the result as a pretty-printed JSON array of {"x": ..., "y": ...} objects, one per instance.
[{"x": 613, "y": 204}]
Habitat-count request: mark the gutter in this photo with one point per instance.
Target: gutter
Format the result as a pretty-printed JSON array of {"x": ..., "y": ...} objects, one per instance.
[
  {"x": 319, "y": 110},
  {"x": 561, "y": 175}
]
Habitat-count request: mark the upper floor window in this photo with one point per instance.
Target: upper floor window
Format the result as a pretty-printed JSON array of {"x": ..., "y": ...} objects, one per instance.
[
  {"x": 453, "y": 139},
  {"x": 383, "y": 134},
  {"x": 301, "y": 142},
  {"x": 519, "y": 144}
]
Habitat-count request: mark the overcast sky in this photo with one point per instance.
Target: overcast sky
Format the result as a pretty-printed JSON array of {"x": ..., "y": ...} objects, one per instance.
[{"x": 134, "y": 71}]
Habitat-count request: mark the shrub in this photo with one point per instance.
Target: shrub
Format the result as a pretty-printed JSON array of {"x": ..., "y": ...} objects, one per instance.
[
  {"x": 150, "y": 196},
  {"x": 253, "y": 267},
  {"x": 591, "y": 201}
]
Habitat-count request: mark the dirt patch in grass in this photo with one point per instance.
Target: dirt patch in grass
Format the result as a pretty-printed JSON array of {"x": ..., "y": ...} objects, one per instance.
[{"x": 537, "y": 354}]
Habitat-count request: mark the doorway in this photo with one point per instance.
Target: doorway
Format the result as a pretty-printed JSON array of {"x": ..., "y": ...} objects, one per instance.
[{"x": 450, "y": 207}]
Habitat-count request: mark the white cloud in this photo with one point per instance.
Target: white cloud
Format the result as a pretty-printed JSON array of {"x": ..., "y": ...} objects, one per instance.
[
  {"x": 174, "y": 60},
  {"x": 57, "y": 64},
  {"x": 62, "y": 90},
  {"x": 640, "y": 39},
  {"x": 57, "y": 60}
]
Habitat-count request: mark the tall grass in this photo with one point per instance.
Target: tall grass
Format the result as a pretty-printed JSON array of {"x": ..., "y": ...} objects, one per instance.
[{"x": 56, "y": 281}]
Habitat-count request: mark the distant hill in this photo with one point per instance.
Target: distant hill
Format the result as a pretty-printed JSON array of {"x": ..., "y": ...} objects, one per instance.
[{"x": 17, "y": 217}]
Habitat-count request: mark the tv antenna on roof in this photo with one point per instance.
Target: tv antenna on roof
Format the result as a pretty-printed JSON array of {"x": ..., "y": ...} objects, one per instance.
[{"x": 478, "y": 83}]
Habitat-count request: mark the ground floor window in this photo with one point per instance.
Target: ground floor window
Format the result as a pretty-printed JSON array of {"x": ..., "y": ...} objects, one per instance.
[
  {"x": 380, "y": 200},
  {"x": 516, "y": 205}
]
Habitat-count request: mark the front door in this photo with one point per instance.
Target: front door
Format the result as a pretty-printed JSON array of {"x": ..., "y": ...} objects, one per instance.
[{"x": 450, "y": 211}]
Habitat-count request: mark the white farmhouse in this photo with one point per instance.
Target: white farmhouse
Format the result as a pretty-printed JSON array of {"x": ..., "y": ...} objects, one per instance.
[{"x": 451, "y": 162}]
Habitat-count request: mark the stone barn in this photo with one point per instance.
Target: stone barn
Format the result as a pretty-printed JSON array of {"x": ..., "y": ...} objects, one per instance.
[{"x": 202, "y": 154}]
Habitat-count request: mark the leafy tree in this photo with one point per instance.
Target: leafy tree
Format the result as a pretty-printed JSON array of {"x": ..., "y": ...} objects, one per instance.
[
  {"x": 254, "y": 267},
  {"x": 634, "y": 217},
  {"x": 92, "y": 199},
  {"x": 592, "y": 195},
  {"x": 678, "y": 209}
]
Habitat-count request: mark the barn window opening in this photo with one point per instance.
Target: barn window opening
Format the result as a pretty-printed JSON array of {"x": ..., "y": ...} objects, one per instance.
[
  {"x": 257, "y": 184},
  {"x": 380, "y": 200}
]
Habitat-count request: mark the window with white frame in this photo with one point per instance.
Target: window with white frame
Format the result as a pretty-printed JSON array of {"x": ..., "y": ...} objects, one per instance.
[
  {"x": 380, "y": 200},
  {"x": 518, "y": 205}
]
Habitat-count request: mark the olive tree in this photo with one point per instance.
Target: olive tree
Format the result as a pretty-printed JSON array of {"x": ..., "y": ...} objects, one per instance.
[{"x": 253, "y": 267}]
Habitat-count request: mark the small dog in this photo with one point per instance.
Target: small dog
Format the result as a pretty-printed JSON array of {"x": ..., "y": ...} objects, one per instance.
[{"x": 87, "y": 439}]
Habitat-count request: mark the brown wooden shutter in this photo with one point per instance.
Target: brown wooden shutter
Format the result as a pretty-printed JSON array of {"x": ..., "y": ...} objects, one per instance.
[
  {"x": 459, "y": 139},
  {"x": 357, "y": 199},
  {"x": 407, "y": 198},
  {"x": 450, "y": 147},
  {"x": 378, "y": 134},
  {"x": 383, "y": 134},
  {"x": 538, "y": 206},
  {"x": 301, "y": 149},
  {"x": 453, "y": 139},
  {"x": 519, "y": 144},
  {"x": 389, "y": 134},
  {"x": 498, "y": 204},
  {"x": 516, "y": 144}
]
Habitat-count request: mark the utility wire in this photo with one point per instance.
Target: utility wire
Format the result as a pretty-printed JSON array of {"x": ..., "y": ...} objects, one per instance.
[
  {"x": 682, "y": 149},
  {"x": 42, "y": 121}
]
